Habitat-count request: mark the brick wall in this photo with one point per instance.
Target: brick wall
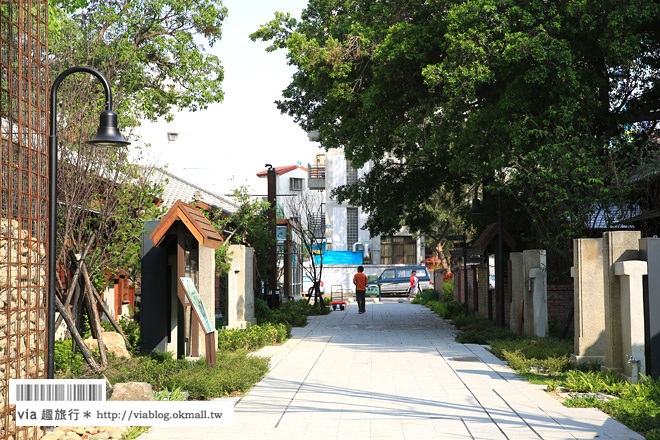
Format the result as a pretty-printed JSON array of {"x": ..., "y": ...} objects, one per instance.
[{"x": 560, "y": 304}]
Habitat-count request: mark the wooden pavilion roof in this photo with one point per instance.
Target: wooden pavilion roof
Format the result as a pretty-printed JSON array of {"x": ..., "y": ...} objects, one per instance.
[{"x": 194, "y": 220}]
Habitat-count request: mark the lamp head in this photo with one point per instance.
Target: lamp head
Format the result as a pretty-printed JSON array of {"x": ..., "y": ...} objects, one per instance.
[{"x": 108, "y": 134}]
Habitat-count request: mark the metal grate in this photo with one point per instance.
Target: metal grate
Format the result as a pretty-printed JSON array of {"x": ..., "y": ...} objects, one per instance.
[{"x": 23, "y": 199}]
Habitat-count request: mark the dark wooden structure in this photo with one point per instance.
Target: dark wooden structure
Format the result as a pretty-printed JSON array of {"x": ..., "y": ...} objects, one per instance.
[{"x": 169, "y": 252}]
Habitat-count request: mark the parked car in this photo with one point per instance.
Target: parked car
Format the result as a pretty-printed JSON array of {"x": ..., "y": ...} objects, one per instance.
[
  {"x": 397, "y": 279},
  {"x": 308, "y": 284}
]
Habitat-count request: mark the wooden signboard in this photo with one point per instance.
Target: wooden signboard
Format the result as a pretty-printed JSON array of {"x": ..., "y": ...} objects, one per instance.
[{"x": 195, "y": 300}]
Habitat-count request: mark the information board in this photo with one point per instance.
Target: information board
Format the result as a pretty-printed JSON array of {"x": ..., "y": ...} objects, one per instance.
[{"x": 198, "y": 306}]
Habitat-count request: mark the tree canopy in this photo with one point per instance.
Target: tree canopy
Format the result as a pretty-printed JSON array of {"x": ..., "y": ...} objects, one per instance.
[
  {"x": 153, "y": 52},
  {"x": 551, "y": 103}
]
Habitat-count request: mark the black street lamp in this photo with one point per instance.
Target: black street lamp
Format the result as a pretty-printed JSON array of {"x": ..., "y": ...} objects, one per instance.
[{"x": 107, "y": 136}]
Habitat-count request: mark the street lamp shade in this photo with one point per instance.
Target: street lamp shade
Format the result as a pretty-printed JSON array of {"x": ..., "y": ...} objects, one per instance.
[{"x": 108, "y": 134}]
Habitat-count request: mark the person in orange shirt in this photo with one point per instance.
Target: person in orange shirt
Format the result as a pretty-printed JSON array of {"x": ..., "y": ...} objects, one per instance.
[{"x": 360, "y": 281}]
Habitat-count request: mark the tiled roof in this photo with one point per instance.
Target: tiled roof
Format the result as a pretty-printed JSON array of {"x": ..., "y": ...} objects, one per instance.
[
  {"x": 176, "y": 188},
  {"x": 194, "y": 220},
  {"x": 282, "y": 170}
]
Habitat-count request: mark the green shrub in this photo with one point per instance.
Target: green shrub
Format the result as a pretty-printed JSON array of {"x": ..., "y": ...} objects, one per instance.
[
  {"x": 261, "y": 310},
  {"x": 592, "y": 381},
  {"x": 66, "y": 362},
  {"x": 548, "y": 355},
  {"x": 234, "y": 373},
  {"x": 291, "y": 313},
  {"x": 253, "y": 337},
  {"x": 480, "y": 331},
  {"x": 448, "y": 290},
  {"x": 426, "y": 296}
]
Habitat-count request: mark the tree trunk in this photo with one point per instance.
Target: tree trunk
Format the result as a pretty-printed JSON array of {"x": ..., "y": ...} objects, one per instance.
[
  {"x": 439, "y": 250},
  {"x": 102, "y": 304},
  {"x": 64, "y": 313}
]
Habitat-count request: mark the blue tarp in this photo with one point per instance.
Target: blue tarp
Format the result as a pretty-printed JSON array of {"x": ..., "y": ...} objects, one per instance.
[{"x": 340, "y": 257}]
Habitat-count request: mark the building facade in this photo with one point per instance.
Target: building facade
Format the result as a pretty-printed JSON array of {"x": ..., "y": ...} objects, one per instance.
[{"x": 345, "y": 223}]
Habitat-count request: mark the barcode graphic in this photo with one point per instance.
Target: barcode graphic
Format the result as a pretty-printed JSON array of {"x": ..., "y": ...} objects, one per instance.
[{"x": 59, "y": 392}]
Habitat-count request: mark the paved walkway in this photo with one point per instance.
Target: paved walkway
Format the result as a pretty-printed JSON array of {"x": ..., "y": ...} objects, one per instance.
[{"x": 395, "y": 373}]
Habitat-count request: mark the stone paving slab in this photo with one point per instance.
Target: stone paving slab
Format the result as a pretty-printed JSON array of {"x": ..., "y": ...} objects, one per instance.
[{"x": 395, "y": 372}]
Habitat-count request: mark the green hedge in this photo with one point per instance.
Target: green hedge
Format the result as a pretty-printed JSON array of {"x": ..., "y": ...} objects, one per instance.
[{"x": 253, "y": 337}]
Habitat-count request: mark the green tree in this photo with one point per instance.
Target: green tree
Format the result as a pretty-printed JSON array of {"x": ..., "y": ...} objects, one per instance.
[
  {"x": 548, "y": 103},
  {"x": 152, "y": 51},
  {"x": 247, "y": 226}
]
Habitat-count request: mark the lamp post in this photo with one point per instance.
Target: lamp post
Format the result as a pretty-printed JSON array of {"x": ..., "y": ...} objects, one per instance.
[{"x": 107, "y": 136}]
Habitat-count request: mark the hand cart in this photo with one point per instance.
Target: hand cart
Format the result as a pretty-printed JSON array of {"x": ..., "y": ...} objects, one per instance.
[{"x": 337, "y": 302}]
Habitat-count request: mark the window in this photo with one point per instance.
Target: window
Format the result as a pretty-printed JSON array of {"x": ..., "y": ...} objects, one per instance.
[
  {"x": 398, "y": 250},
  {"x": 351, "y": 174},
  {"x": 295, "y": 184},
  {"x": 351, "y": 227},
  {"x": 388, "y": 274}
]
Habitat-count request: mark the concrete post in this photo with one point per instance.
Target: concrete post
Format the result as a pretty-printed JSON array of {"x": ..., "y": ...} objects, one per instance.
[
  {"x": 589, "y": 300},
  {"x": 482, "y": 290},
  {"x": 517, "y": 289},
  {"x": 630, "y": 274},
  {"x": 649, "y": 250},
  {"x": 207, "y": 288},
  {"x": 539, "y": 277},
  {"x": 240, "y": 291},
  {"x": 617, "y": 246},
  {"x": 532, "y": 259}
]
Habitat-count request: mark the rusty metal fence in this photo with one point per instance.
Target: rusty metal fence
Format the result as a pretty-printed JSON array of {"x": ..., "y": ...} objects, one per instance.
[{"x": 23, "y": 199}]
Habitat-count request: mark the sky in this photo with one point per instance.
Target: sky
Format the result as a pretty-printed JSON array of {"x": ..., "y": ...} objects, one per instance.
[{"x": 224, "y": 146}]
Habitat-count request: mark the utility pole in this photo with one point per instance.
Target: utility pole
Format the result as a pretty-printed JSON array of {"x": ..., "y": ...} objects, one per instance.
[{"x": 272, "y": 222}]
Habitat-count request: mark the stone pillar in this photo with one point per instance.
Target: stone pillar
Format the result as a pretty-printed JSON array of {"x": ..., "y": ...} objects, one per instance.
[
  {"x": 617, "y": 246},
  {"x": 649, "y": 249},
  {"x": 517, "y": 289},
  {"x": 539, "y": 282},
  {"x": 206, "y": 286},
  {"x": 482, "y": 290},
  {"x": 532, "y": 259},
  {"x": 240, "y": 291},
  {"x": 589, "y": 300},
  {"x": 630, "y": 275}
]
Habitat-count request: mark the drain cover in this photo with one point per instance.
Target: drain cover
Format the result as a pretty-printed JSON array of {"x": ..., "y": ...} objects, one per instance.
[{"x": 465, "y": 358}]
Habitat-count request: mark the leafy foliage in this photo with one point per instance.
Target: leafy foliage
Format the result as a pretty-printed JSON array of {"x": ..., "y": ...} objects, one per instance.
[
  {"x": 253, "y": 337},
  {"x": 551, "y": 105},
  {"x": 248, "y": 226},
  {"x": 67, "y": 363},
  {"x": 291, "y": 313},
  {"x": 150, "y": 51},
  {"x": 234, "y": 373}
]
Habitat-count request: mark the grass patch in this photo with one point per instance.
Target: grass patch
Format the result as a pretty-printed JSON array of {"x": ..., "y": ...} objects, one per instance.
[{"x": 233, "y": 374}]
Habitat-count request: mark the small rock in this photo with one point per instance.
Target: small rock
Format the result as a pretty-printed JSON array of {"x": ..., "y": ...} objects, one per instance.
[
  {"x": 132, "y": 391},
  {"x": 52, "y": 436},
  {"x": 71, "y": 436},
  {"x": 114, "y": 343},
  {"x": 100, "y": 436},
  {"x": 80, "y": 430},
  {"x": 116, "y": 432}
]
